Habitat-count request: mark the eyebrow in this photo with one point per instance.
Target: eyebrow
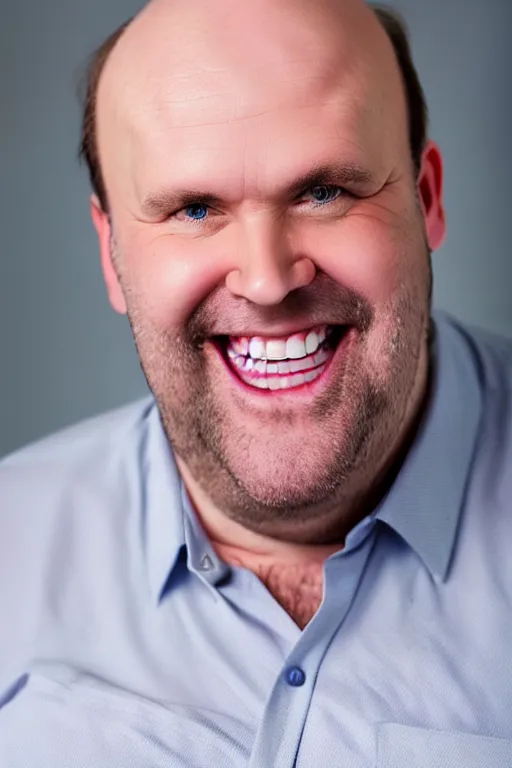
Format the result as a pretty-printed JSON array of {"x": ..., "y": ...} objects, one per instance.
[
  {"x": 340, "y": 174},
  {"x": 167, "y": 201}
]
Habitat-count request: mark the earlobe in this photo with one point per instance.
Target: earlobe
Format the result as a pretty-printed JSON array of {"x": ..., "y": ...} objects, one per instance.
[
  {"x": 430, "y": 191},
  {"x": 103, "y": 229}
]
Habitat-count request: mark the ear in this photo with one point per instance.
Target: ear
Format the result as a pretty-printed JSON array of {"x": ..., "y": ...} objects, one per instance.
[
  {"x": 430, "y": 190},
  {"x": 102, "y": 226}
]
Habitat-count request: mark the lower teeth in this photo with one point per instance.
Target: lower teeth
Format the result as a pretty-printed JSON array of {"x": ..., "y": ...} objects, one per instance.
[
  {"x": 282, "y": 382},
  {"x": 276, "y": 381}
]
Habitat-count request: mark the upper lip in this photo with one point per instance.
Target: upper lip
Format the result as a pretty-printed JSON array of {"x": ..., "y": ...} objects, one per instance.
[{"x": 278, "y": 331}]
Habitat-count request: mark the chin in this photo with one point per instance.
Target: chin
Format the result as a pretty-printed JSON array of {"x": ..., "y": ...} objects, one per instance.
[{"x": 287, "y": 473}]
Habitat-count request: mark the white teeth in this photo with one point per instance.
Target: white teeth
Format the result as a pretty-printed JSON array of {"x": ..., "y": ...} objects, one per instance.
[
  {"x": 295, "y": 347},
  {"x": 299, "y": 365},
  {"x": 283, "y": 382},
  {"x": 297, "y": 380},
  {"x": 279, "y": 364},
  {"x": 321, "y": 356},
  {"x": 282, "y": 367},
  {"x": 275, "y": 349},
  {"x": 257, "y": 348},
  {"x": 235, "y": 347},
  {"x": 311, "y": 343}
]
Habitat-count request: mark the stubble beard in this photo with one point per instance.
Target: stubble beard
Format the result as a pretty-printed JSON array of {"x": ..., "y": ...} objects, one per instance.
[{"x": 360, "y": 414}]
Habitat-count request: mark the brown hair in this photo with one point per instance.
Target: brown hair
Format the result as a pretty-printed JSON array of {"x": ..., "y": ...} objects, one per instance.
[
  {"x": 395, "y": 27},
  {"x": 391, "y": 21},
  {"x": 88, "y": 151}
]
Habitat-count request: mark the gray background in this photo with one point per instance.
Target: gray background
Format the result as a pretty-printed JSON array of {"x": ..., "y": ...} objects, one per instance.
[{"x": 64, "y": 354}]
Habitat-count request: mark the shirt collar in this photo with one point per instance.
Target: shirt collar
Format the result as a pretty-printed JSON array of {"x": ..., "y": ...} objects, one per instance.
[
  {"x": 425, "y": 501},
  {"x": 170, "y": 526},
  {"x": 422, "y": 506}
]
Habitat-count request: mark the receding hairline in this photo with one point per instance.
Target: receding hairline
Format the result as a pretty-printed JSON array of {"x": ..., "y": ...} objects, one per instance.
[{"x": 390, "y": 21}]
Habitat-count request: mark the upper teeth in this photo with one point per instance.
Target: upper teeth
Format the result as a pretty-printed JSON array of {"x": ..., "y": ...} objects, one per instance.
[{"x": 291, "y": 347}]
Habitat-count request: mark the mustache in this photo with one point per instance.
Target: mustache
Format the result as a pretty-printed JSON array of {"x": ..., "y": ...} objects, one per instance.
[{"x": 322, "y": 302}]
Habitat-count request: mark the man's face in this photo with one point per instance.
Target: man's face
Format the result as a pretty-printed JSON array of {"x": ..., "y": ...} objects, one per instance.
[{"x": 270, "y": 248}]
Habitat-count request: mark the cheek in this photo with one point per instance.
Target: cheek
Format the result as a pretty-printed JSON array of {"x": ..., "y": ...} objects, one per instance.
[
  {"x": 370, "y": 251},
  {"x": 383, "y": 258},
  {"x": 169, "y": 278}
]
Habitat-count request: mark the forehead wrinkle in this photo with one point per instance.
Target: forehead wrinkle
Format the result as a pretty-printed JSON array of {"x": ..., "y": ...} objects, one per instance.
[
  {"x": 186, "y": 108},
  {"x": 167, "y": 98},
  {"x": 158, "y": 119},
  {"x": 250, "y": 164},
  {"x": 162, "y": 49}
]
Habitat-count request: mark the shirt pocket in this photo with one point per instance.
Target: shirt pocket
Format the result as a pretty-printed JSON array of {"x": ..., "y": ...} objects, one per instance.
[
  {"x": 83, "y": 724},
  {"x": 403, "y": 746}
]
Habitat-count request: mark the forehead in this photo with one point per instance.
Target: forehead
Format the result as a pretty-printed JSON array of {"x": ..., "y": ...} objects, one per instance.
[{"x": 202, "y": 94}]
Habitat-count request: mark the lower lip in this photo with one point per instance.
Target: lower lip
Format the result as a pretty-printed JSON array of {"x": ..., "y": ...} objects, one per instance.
[{"x": 324, "y": 373}]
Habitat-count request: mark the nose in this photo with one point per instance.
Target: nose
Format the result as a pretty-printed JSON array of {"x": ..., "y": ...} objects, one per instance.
[{"x": 266, "y": 268}]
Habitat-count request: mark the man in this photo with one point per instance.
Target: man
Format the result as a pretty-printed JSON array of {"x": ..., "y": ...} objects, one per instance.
[{"x": 297, "y": 553}]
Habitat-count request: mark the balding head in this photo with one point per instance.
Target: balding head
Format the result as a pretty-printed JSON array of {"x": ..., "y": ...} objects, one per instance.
[
  {"x": 207, "y": 43},
  {"x": 388, "y": 20},
  {"x": 181, "y": 69}
]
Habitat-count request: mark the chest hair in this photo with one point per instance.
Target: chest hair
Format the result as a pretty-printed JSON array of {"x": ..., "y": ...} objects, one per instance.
[{"x": 297, "y": 588}]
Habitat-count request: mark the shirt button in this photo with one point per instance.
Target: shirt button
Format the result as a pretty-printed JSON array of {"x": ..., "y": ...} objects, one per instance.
[{"x": 295, "y": 676}]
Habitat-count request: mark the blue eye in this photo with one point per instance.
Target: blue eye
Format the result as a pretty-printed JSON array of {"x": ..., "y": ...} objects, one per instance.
[
  {"x": 325, "y": 194},
  {"x": 197, "y": 211}
]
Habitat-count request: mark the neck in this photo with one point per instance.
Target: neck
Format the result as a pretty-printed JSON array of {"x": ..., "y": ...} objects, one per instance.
[
  {"x": 292, "y": 573},
  {"x": 238, "y": 546}
]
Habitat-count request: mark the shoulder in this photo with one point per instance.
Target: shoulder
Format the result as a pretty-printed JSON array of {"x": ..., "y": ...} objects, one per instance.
[
  {"x": 62, "y": 470},
  {"x": 488, "y": 362},
  {"x": 72, "y": 445},
  {"x": 61, "y": 497},
  {"x": 485, "y": 358},
  {"x": 490, "y": 354}
]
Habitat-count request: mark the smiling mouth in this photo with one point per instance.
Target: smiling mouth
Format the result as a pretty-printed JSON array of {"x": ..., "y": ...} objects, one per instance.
[{"x": 282, "y": 363}]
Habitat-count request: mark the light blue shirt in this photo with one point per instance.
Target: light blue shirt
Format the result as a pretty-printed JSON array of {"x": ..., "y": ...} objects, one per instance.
[{"x": 125, "y": 642}]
